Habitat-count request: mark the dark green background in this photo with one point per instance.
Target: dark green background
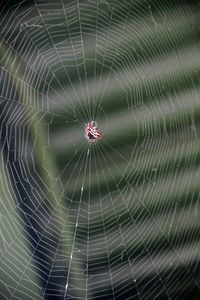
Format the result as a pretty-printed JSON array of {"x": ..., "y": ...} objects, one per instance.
[{"x": 126, "y": 208}]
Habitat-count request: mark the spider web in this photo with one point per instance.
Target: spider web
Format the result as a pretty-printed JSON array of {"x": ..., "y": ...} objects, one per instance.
[{"x": 117, "y": 219}]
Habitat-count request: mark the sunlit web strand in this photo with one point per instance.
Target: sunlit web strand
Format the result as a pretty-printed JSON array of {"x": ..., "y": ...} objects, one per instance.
[
  {"x": 77, "y": 222},
  {"x": 113, "y": 60}
]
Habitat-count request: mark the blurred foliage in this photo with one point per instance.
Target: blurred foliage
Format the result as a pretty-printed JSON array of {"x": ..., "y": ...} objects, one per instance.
[{"x": 119, "y": 218}]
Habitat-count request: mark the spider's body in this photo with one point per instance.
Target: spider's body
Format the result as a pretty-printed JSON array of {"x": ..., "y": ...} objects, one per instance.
[{"x": 92, "y": 133}]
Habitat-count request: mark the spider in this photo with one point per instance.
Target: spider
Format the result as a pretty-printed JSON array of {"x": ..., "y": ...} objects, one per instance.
[{"x": 92, "y": 133}]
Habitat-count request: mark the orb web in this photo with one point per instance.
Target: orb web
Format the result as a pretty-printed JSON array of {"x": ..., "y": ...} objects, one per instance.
[{"x": 120, "y": 219}]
